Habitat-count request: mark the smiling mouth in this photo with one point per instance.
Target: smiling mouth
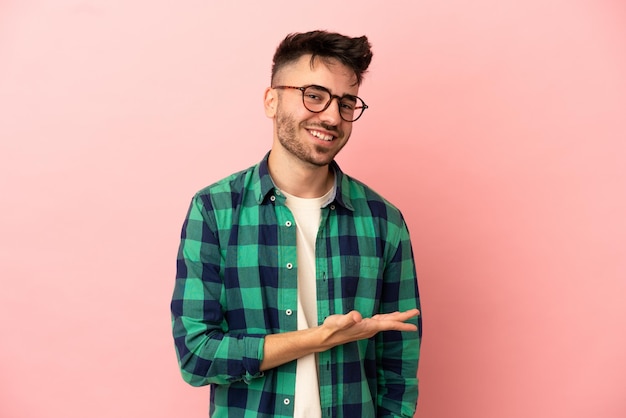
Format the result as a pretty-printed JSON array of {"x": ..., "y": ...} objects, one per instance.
[{"x": 322, "y": 136}]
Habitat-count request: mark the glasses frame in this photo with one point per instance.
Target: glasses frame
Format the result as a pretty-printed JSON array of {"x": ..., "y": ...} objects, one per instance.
[{"x": 332, "y": 96}]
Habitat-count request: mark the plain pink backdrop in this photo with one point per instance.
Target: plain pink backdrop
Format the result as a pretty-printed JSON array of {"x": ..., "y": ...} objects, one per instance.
[{"x": 498, "y": 127}]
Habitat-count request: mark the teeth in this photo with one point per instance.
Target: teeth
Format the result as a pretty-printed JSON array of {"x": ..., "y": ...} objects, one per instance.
[{"x": 322, "y": 136}]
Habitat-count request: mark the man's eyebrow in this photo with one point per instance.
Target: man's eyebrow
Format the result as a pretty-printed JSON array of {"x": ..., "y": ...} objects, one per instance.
[{"x": 346, "y": 96}]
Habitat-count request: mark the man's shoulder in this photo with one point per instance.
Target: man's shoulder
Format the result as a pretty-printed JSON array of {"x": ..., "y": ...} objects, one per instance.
[
  {"x": 234, "y": 182},
  {"x": 361, "y": 194},
  {"x": 239, "y": 188},
  {"x": 371, "y": 208}
]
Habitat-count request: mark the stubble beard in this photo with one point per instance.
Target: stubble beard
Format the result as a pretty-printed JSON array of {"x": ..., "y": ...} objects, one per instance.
[{"x": 287, "y": 133}]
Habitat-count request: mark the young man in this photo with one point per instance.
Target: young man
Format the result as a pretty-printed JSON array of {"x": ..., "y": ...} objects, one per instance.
[{"x": 296, "y": 292}]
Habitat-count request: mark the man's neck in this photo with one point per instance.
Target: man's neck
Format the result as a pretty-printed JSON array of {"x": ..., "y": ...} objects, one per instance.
[{"x": 298, "y": 178}]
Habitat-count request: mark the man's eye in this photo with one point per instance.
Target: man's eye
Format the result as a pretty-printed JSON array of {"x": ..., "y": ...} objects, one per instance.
[{"x": 347, "y": 106}]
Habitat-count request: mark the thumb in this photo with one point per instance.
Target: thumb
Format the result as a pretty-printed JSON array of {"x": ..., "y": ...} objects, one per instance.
[{"x": 355, "y": 316}]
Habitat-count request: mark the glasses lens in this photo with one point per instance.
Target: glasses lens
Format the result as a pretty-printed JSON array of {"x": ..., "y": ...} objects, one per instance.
[
  {"x": 317, "y": 99},
  {"x": 351, "y": 108}
]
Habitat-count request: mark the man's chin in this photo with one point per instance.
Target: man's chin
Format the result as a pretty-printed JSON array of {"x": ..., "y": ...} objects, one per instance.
[{"x": 320, "y": 160}]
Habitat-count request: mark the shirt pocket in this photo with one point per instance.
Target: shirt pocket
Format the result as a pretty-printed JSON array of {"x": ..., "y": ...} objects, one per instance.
[{"x": 360, "y": 284}]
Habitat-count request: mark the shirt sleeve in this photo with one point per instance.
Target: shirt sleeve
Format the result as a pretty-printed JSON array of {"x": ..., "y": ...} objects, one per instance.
[
  {"x": 398, "y": 352},
  {"x": 207, "y": 352}
]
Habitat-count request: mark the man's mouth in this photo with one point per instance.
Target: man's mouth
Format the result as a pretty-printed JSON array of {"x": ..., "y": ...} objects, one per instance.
[{"x": 322, "y": 136}]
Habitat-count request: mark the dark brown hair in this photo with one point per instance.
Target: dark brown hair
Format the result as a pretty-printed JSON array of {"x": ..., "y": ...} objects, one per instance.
[{"x": 354, "y": 53}]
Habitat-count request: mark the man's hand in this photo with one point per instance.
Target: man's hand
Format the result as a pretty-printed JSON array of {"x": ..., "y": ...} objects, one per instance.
[
  {"x": 336, "y": 330},
  {"x": 341, "y": 329}
]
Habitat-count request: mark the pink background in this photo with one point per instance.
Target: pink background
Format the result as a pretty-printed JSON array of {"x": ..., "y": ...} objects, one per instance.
[{"x": 498, "y": 127}]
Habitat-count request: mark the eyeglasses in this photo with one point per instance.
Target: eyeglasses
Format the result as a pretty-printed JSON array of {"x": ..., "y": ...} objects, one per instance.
[{"x": 316, "y": 99}]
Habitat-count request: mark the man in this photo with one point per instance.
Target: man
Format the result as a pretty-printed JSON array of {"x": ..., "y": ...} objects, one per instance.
[{"x": 296, "y": 292}]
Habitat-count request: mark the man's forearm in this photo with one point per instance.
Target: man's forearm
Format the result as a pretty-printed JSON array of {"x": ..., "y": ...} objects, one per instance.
[{"x": 282, "y": 348}]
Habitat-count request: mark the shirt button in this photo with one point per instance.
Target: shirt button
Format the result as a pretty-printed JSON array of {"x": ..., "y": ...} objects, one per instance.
[
  {"x": 332, "y": 207},
  {"x": 288, "y": 223},
  {"x": 286, "y": 401},
  {"x": 288, "y": 312},
  {"x": 289, "y": 266},
  {"x": 273, "y": 198}
]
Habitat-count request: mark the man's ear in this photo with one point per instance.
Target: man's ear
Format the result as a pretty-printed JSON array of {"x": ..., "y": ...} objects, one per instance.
[{"x": 270, "y": 101}]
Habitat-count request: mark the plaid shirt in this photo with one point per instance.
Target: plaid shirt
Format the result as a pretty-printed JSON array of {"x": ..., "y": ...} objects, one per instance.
[{"x": 236, "y": 282}]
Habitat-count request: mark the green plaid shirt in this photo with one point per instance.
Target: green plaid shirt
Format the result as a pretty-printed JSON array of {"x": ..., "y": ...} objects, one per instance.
[{"x": 236, "y": 282}]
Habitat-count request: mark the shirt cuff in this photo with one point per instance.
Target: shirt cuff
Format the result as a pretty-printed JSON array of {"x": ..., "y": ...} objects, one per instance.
[{"x": 253, "y": 356}]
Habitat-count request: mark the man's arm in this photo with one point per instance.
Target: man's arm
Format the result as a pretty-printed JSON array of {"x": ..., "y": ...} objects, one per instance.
[
  {"x": 398, "y": 353},
  {"x": 207, "y": 352}
]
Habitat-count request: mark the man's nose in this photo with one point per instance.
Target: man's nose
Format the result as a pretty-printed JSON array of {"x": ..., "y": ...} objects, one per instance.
[{"x": 331, "y": 114}]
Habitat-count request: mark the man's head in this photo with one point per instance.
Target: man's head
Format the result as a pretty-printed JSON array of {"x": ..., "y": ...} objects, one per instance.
[
  {"x": 354, "y": 53},
  {"x": 313, "y": 98}
]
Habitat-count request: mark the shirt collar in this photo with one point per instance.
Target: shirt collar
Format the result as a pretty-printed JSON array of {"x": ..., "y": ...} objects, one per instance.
[{"x": 265, "y": 187}]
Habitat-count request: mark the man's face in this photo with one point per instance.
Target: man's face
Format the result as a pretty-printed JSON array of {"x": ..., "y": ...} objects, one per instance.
[{"x": 313, "y": 138}]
